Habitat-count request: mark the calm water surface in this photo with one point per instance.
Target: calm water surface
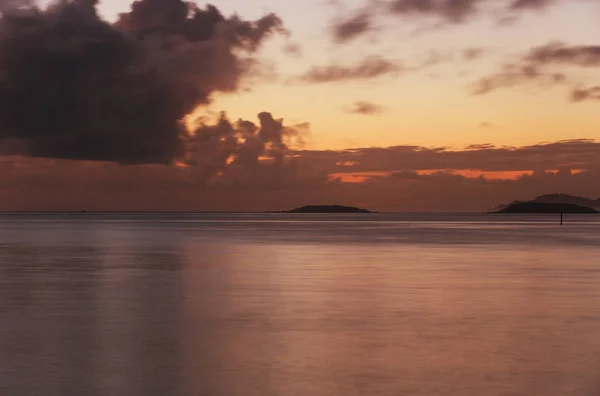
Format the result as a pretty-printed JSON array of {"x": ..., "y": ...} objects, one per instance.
[{"x": 261, "y": 305}]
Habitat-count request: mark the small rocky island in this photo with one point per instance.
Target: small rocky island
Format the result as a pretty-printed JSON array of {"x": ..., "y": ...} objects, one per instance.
[
  {"x": 554, "y": 199},
  {"x": 326, "y": 209},
  {"x": 546, "y": 208}
]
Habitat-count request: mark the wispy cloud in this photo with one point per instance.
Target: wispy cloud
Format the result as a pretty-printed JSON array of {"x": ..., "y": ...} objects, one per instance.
[
  {"x": 451, "y": 10},
  {"x": 539, "y": 65},
  {"x": 368, "y": 68},
  {"x": 443, "y": 12},
  {"x": 560, "y": 53},
  {"x": 513, "y": 75},
  {"x": 365, "y": 108},
  {"x": 473, "y": 53},
  {"x": 530, "y": 4},
  {"x": 581, "y": 94},
  {"x": 345, "y": 30}
]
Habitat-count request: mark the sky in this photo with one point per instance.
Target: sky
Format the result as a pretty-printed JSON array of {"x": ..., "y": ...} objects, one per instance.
[{"x": 252, "y": 105}]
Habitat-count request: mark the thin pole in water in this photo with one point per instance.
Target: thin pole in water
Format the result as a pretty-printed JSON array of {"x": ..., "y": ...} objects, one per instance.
[{"x": 561, "y": 218}]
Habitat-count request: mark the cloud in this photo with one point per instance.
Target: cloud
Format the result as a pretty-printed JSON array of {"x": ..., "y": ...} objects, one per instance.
[
  {"x": 536, "y": 66},
  {"x": 377, "y": 66},
  {"x": 248, "y": 155},
  {"x": 365, "y": 108},
  {"x": 450, "y": 10},
  {"x": 513, "y": 75},
  {"x": 74, "y": 86},
  {"x": 530, "y": 4},
  {"x": 432, "y": 59},
  {"x": 443, "y": 12},
  {"x": 560, "y": 53},
  {"x": 413, "y": 178},
  {"x": 581, "y": 94},
  {"x": 481, "y": 146},
  {"x": 421, "y": 193},
  {"x": 348, "y": 29},
  {"x": 368, "y": 68},
  {"x": 401, "y": 178},
  {"x": 473, "y": 53},
  {"x": 292, "y": 49},
  {"x": 577, "y": 154},
  {"x": 6, "y": 5}
]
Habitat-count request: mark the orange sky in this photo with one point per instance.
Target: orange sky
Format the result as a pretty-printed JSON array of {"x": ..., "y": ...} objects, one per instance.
[{"x": 433, "y": 106}]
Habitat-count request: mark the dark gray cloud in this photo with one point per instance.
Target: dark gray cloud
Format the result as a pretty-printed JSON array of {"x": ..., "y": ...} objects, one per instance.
[
  {"x": 76, "y": 87},
  {"x": 368, "y": 68},
  {"x": 248, "y": 155},
  {"x": 365, "y": 108}
]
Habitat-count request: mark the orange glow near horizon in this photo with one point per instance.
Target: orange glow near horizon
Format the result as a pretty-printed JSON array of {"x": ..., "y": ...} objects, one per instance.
[
  {"x": 475, "y": 173},
  {"x": 362, "y": 177},
  {"x": 357, "y": 177}
]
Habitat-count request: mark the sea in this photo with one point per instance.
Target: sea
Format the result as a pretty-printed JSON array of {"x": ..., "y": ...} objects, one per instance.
[{"x": 182, "y": 304}]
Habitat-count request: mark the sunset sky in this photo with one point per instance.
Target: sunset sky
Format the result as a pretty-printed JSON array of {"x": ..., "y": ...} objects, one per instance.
[
  {"x": 394, "y": 105},
  {"x": 430, "y": 103}
]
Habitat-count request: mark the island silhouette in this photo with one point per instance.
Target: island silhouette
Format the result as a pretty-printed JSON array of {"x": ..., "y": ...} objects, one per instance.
[
  {"x": 555, "y": 199},
  {"x": 551, "y": 203},
  {"x": 325, "y": 209},
  {"x": 546, "y": 207}
]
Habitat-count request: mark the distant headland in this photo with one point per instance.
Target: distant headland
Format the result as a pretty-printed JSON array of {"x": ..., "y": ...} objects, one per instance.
[
  {"x": 541, "y": 207},
  {"x": 551, "y": 203},
  {"x": 325, "y": 209}
]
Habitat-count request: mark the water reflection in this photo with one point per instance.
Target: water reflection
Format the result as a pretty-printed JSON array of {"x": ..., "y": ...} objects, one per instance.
[
  {"x": 392, "y": 322},
  {"x": 95, "y": 318},
  {"x": 188, "y": 308}
]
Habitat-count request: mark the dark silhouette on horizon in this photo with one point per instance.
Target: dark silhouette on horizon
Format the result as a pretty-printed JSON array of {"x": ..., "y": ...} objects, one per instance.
[
  {"x": 555, "y": 199},
  {"x": 545, "y": 207}
]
